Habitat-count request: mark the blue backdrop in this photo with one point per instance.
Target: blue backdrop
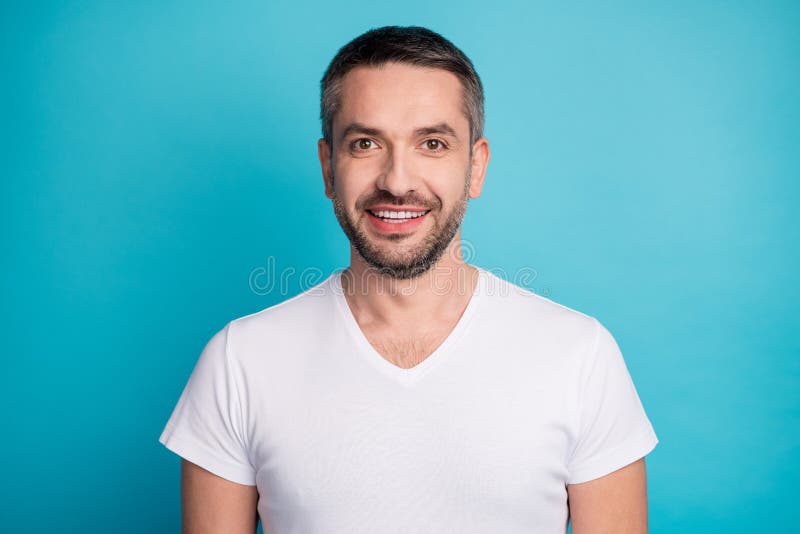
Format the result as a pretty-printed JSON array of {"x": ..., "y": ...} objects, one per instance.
[{"x": 159, "y": 157}]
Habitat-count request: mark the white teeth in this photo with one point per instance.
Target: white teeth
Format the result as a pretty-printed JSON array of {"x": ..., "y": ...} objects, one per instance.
[{"x": 398, "y": 214}]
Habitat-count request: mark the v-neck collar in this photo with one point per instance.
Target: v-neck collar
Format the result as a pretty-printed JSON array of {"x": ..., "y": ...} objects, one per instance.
[{"x": 410, "y": 376}]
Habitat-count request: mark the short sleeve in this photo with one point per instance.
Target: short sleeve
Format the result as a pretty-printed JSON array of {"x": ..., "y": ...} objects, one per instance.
[
  {"x": 613, "y": 428},
  {"x": 206, "y": 426}
]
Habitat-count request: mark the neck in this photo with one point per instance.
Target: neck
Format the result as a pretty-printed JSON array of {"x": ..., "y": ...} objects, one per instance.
[{"x": 439, "y": 294}]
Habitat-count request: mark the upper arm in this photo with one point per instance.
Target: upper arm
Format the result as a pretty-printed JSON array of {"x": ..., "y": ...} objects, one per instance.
[
  {"x": 614, "y": 503},
  {"x": 213, "y": 504}
]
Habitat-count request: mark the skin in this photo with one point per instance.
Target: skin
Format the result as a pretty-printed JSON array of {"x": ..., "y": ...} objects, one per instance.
[
  {"x": 384, "y": 147},
  {"x": 615, "y": 503},
  {"x": 211, "y": 504},
  {"x": 378, "y": 153}
]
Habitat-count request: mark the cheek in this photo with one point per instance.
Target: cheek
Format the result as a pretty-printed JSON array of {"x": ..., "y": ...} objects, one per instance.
[
  {"x": 356, "y": 174},
  {"x": 451, "y": 181},
  {"x": 350, "y": 191}
]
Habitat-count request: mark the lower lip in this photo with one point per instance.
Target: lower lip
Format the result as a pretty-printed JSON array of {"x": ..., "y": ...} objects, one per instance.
[{"x": 395, "y": 227}]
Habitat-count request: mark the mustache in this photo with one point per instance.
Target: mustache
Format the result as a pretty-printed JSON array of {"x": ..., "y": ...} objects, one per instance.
[{"x": 384, "y": 197}]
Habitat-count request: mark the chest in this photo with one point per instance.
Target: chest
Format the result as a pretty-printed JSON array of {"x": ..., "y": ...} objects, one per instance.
[
  {"x": 406, "y": 350},
  {"x": 465, "y": 456},
  {"x": 403, "y": 351}
]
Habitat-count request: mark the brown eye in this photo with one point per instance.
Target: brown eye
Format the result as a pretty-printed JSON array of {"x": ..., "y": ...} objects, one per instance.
[
  {"x": 434, "y": 145},
  {"x": 364, "y": 144}
]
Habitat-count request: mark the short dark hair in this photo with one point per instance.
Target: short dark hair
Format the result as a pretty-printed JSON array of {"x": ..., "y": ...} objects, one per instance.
[{"x": 413, "y": 45}]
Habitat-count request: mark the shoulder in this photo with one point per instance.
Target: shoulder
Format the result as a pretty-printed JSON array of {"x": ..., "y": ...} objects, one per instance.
[
  {"x": 526, "y": 324},
  {"x": 512, "y": 302},
  {"x": 285, "y": 323}
]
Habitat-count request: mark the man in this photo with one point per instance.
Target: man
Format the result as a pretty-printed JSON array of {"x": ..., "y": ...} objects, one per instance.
[{"x": 411, "y": 392}]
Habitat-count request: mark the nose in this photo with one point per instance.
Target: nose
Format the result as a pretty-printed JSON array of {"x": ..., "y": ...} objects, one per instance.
[{"x": 398, "y": 176}]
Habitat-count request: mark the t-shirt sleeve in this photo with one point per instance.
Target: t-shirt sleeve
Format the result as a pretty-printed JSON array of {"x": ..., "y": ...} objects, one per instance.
[
  {"x": 613, "y": 428},
  {"x": 207, "y": 424}
]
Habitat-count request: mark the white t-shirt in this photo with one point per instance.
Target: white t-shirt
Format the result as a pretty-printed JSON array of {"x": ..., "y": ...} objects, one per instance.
[{"x": 524, "y": 397}]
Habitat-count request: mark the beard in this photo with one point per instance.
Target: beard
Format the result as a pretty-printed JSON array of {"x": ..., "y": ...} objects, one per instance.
[{"x": 409, "y": 262}]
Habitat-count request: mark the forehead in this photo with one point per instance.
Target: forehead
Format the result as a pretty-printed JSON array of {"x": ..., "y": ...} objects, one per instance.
[{"x": 400, "y": 97}]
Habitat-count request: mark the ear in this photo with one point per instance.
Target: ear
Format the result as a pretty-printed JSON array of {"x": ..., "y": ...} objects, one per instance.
[
  {"x": 480, "y": 160},
  {"x": 324, "y": 154}
]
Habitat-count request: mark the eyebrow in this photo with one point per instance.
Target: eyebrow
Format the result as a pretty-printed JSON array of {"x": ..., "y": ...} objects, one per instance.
[
  {"x": 441, "y": 128},
  {"x": 357, "y": 128}
]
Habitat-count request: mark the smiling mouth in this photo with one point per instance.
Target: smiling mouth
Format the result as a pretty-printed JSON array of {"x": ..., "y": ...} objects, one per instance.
[{"x": 397, "y": 217}]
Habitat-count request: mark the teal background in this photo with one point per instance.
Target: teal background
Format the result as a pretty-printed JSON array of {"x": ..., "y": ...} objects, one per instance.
[{"x": 155, "y": 154}]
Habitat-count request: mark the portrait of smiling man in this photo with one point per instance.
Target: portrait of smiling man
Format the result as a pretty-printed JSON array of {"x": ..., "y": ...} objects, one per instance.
[{"x": 412, "y": 391}]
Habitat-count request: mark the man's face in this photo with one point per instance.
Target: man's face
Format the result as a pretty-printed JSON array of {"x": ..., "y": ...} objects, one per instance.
[{"x": 399, "y": 175}]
